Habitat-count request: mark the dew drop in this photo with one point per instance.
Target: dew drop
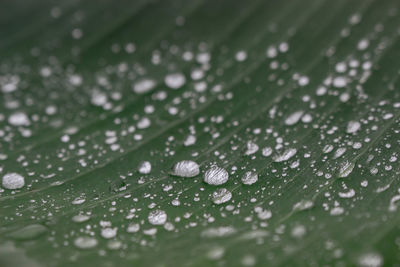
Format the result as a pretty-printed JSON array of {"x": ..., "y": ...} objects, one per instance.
[
  {"x": 18, "y": 119},
  {"x": 345, "y": 169},
  {"x": 293, "y": 118},
  {"x": 186, "y": 168},
  {"x": 175, "y": 80},
  {"x": 286, "y": 155},
  {"x": 144, "y": 167},
  {"x": 85, "y": 242},
  {"x": 353, "y": 126},
  {"x": 249, "y": 178},
  {"x": 251, "y": 148},
  {"x": 371, "y": 259},
  {"x": 303, "y": 205},
  {"x": 80, "y": 218},
  {"x": 108, "y": 233},
  {"x": 349, "y": 194},
  {"x": 157, "y": 217},
  {"x": 144, "y": 86},
  {"x": 133, "y": 228},
  {"x": 266, "y": 151},
  {"x": 221, "y": 195},
  {"x": 216, "y": 176},
  {"x": 13, "y": 181}
]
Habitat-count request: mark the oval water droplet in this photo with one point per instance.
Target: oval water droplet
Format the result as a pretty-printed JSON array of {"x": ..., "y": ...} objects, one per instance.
[
  {"x": 85, "y": 242},
  {"x": 345, "y": 169},
  {"x": 249, "y": 178},
  {"x": 157, "y": 217},
  {"x": 221, "y": 196},
  {"x": 216, "y": 176},
  {"x": 175, "y": 80},
  {"x": 13, "y": 181},
  {"x": 144, "y": 167},
  {"x": 186, "y": 168},
  {"x": 286, "y": 155}
]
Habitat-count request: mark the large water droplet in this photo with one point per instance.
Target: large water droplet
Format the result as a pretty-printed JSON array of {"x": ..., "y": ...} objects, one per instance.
[
  {"x": 13, "y": 181},
  {"x": 18, "y": 119},
  {"x": 157, "y": 217},
  {"x": 216, "y": 176},
  {"x": 186, "y": 168},
  {"x": 286, "y": 155}
]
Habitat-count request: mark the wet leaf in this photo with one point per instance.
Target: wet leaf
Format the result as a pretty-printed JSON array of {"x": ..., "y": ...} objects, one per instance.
[{"x": 199, "y": 133}]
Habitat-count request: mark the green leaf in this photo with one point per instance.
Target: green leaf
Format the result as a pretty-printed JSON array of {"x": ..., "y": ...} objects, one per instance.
[{"x": 199, "y": 133}]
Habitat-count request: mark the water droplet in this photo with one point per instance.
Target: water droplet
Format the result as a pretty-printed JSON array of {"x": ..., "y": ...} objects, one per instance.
[
  {"x": 353, "y": 126},
  {"x": 251, "y": 148},
  {"x": 339, "y": 82},
  {"x": 263, "y": 214},
  {"x": 80, "y": 218},
  {"x": 303, "y": 205},
  {"x": 18, "y": 119},
  {"x": 346, "y": 168},
  {"x": 249, "y": 178},
  {"x": 339, "y": 152},
  {"x": 85, "y": 242},
  {"x": 108, "y": 232},
  {"x": 144, "y": 86},
  {"x": 133, "y": 228},
  {"x": 216, "y": 176},
  {"x": 298, "y": 231},
  {"x": 157, "y": 217},
  {"x": 371, "y": 259},
  {"x": 218, "y": 232},
  {"x": 221, "y": 195},
  {"x": 190, "y": 140},
  {"x": 349, "y": 194},
  {"x": 186, "y": 168},
  {"x": 266, "y": 151},
  {"x": 175, "y": 80},
  {"x": 363, "y": 44},
  {"x": 216, "y": 253},
  {"x": 241, "y": 56},
  {"x": 286, "y": 155},
  {"x": 336, "y": 211},
  {"x": 13, "y": 181},
  {"x": 293, "y": 118},
  {"x": 144, "y": 167}
]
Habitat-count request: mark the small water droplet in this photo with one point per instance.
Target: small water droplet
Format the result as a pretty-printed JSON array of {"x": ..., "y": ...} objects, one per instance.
[
  {"x": 345, "y": 169},
  {"x": 144, "y": 167},
  {"x": 249, "y": 178},
  {"x": 85, "y": 242},
  {"x": 175, "y": 80},
  {"x": 144, "y": 86}
]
